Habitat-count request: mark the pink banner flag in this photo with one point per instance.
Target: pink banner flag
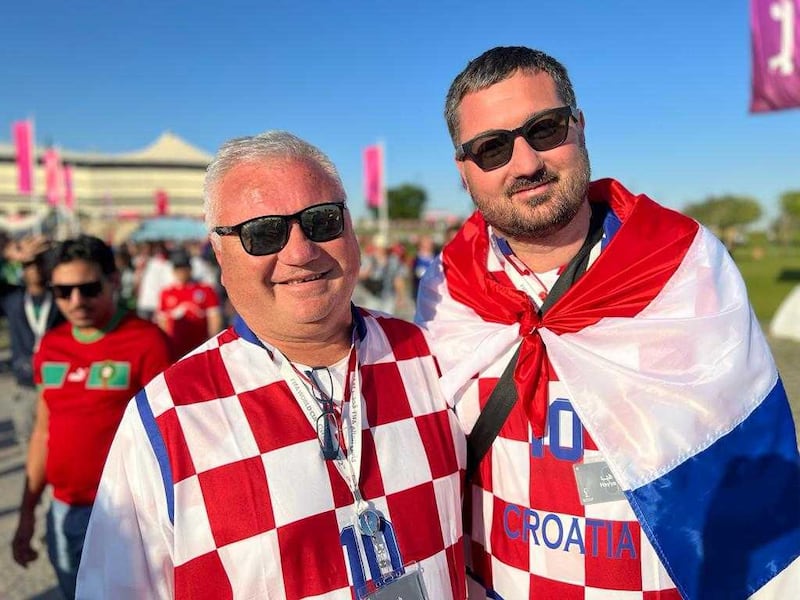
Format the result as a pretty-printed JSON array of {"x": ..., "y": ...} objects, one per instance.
[
  {"x": 23, "y": 140},
  {"x": 161, "y": 200},
  {"x": 775, "y": 39},
  {"x": 53, "y": 177},
  {"x": 373, "y": 176},
  {"x": 69, "y": 190}
]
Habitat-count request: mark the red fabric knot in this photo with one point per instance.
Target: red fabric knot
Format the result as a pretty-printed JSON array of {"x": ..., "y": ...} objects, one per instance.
[{"x": 645, "y": 252}]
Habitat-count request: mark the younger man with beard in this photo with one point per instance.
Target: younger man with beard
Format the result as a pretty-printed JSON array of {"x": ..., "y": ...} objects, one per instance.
[
  {"x": 647, "y": 448},
  {"x": 86, "y": 369}
]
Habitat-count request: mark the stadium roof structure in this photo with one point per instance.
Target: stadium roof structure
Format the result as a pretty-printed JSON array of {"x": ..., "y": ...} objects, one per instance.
[{"x": 167, "y": 149}]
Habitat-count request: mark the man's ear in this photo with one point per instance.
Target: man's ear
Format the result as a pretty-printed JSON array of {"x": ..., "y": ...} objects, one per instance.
[
  {"x": 115, "y": 280},
  {"x": 461, "y": 169},
  {"x": 215, "y": 241}
]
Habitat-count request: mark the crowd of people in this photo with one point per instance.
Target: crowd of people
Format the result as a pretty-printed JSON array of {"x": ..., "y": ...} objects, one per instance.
[{"x": 584, "y": 407}]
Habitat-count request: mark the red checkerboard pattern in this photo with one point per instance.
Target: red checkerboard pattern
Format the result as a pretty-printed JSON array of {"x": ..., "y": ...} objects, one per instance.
[
  {"x": 528, "y": 534},
  {"x": 257, "y": 511}
]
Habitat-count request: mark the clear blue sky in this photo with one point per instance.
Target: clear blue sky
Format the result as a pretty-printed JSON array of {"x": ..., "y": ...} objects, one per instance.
[{"x": 664, "y": 85}]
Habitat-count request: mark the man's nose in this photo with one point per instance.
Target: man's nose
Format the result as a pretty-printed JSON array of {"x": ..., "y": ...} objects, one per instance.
[
  {"x": 299, "y": 250},
  {"x": 524, "y": 159}
]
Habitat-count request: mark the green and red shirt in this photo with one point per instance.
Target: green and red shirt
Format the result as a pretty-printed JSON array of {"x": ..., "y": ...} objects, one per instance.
[{"x": 86, "y": 384}]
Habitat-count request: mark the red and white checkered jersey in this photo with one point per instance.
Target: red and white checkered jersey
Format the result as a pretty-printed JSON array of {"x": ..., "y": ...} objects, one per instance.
[
  {"x": 215, "y": 486},
  {"x": 529, "y": 535}
]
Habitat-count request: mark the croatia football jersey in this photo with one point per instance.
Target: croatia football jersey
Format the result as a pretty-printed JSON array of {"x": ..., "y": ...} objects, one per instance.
[
  {"x": 215, "y": 485},
  {"x": 86, "y": 385},
  {"x": 529, "y": 534}
]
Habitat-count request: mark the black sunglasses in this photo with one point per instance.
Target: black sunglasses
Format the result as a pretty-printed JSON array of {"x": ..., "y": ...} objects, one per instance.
[
  {"x": 90, "y": 289},
  {"x": 269, "y": 234},
  {"x": 328, "y": 426},
  {"x": 544, "y": 131}
]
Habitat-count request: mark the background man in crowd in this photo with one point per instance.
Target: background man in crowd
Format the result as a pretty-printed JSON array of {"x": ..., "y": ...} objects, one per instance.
[
  {"x": 308, "y": 451},
  {"x": 30, "y": 312},
  {"x": 650, "y": 449},
  {"x": 188, "y": 310},
  {"x": 87, "y": 370}
]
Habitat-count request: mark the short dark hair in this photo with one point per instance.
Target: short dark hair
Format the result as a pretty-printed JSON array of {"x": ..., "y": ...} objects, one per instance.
[
  {"x": 84, "y": 247},
  {"x": 497, "y": 64}
]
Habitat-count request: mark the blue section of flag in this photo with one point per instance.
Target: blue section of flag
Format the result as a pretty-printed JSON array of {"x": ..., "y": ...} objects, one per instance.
[
  {"x": 159, "y": 449},
  {"x": 727, "y": 520}
]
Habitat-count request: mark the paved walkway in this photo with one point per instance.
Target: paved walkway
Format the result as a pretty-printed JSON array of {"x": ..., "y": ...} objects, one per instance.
[{"x": 37, "y": 582}]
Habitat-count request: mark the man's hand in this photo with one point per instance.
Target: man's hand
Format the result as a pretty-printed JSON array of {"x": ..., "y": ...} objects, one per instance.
[
  {"x": 21, "y": 544},
  {"x": 26, "y": 249}
]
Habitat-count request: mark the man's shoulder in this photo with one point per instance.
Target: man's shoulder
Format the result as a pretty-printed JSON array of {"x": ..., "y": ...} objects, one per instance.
[
  {"x": 59, "y": 332},
  {"x": 141, "y": 329},
  {"x": 404, "y": 337},
  {"x": 205, "y": 374}
]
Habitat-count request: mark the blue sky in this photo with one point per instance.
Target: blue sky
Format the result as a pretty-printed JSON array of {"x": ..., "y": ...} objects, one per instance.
[{"x": 664, "y": 85}]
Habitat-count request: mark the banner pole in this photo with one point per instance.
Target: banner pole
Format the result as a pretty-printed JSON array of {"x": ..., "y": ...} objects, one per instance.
[{"x": 383, "y": 210}]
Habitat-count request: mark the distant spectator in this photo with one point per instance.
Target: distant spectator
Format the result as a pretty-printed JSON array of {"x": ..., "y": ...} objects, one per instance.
[
  {"x": 188, "y": 311},
  {"x": 384, "y": 275},
  {"x": 157, "y": 275},
  {"x": 30, "y": 312},
  {"x": 426, "y": 252},
  {"x": 127, "y": 278},
  {"x": 203, "y": 269}
]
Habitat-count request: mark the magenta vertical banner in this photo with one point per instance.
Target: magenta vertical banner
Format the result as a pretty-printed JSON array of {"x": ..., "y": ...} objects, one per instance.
[
  {"x": 775, "y": 40},
  {"x": 23, "y": 140},
  {"x": 69, "y": 190},
  {"x": 161, "y": 199},
  {"x": 53, "y": 177},
  {"x": 373, "y": 176}
]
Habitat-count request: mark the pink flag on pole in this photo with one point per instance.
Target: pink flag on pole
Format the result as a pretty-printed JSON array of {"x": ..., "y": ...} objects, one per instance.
[
  {"x": 23, "y": 140},
  {"x": 373, "y": 176},
  {"x": 53, "y": 177},
  {"x": 69, "y": 190},
  {"x": 775, "y": 40},
  {"x": 161, "y": 199}
]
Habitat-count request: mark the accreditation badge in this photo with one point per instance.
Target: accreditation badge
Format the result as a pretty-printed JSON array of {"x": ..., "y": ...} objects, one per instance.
[
  {"x": 388, "y": 578},
  {"x": 596, "y": 483},
  {"x": 408, "y": 586}
]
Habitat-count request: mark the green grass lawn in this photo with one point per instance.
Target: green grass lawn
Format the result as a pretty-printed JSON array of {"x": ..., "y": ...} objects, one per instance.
[{"x": 763, "y": 278}]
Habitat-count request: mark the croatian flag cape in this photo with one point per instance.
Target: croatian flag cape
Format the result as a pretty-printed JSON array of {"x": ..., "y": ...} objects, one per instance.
[{"x": 670, "y": 374}]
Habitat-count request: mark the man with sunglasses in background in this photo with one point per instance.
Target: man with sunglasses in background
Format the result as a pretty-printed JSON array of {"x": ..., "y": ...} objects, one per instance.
[
  {"x": 307, "y": 451},
  {"x": 87, "y": 369},
  {"x": 629, "y": 435}
]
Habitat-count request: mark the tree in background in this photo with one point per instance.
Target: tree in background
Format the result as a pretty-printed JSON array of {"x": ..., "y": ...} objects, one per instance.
[
  {"x": 406, "y": 201},
  {"x": 788, "y": 222},
  {"x": 726, "y": 215}
]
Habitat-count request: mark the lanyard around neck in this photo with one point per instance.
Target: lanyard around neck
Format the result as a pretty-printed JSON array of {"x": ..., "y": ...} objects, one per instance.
[
  {"x": 348, "y": 464},
  {"x": 37, "y": 323}
]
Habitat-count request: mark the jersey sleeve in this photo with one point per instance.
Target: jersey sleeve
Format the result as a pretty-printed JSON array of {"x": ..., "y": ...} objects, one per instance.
[{"x": 127, "y": 550}]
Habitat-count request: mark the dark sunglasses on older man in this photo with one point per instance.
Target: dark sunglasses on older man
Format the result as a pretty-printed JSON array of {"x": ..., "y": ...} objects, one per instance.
[
  {"x": 90, "y": 289},
  {"x": 544, "y": 131},
  {"x": 269, "y": 234}
]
